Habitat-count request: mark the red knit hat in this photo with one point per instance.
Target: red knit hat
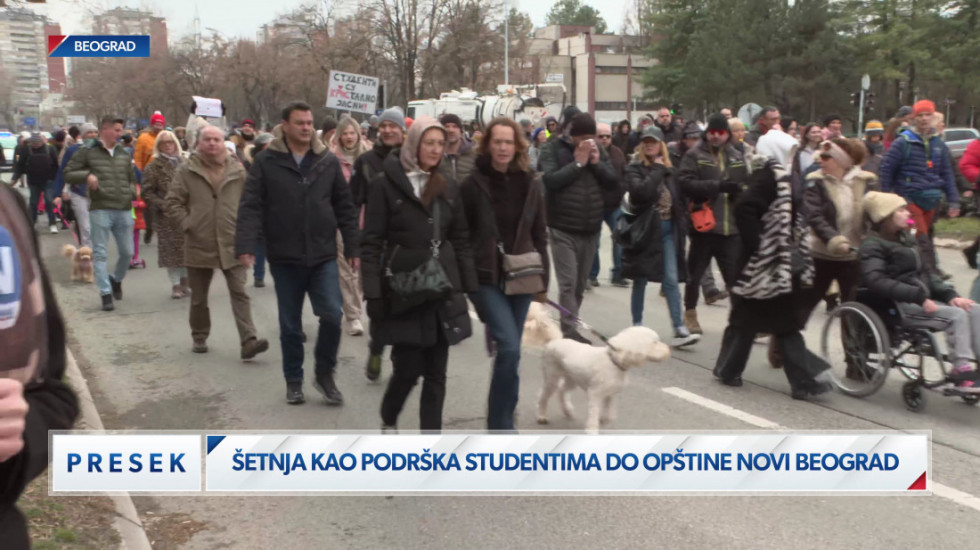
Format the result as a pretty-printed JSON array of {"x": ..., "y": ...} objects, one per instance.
[
  {"x": 923, "y": 106},
  {"x": 157, "y": 117}
]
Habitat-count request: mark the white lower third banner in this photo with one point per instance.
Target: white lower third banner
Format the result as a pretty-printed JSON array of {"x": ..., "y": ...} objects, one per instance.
[{"x": 626, "y": 463}]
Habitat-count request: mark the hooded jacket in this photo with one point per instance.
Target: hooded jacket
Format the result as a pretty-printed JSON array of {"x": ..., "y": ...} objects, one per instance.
[
  {"x": 52, "y": 404},
  {"x": 700, "y": 175},
  {"x": 398, "y": 231},
  {"x": 143, "y": 151},
  {"x": 914, "y": 164},
  {"x": 297, "y": 209},
  {"x": 574, "y": 195}
]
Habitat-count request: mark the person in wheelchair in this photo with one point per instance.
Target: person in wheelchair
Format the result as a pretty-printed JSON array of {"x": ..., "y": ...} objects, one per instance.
[{"x": 891, "y": 268}]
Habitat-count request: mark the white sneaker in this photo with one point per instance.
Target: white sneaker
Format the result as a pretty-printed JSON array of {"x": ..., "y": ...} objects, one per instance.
[
  {"x": 54, "y": 229},
  {"x": 683, "y": 341},
  {"x": 356, "y": 328}
]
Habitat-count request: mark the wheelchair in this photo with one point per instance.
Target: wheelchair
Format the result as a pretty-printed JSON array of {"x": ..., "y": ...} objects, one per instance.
[{"x": 870, "y": 336}]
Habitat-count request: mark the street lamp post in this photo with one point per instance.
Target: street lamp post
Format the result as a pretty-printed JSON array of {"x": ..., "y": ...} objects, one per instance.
[{"x": 507, "y": 43}]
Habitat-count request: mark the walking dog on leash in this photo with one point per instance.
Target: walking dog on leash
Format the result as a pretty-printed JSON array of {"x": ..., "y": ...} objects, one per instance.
[
  {"x": 600, "y": 371},
  {"x": 81, "y": 263}
]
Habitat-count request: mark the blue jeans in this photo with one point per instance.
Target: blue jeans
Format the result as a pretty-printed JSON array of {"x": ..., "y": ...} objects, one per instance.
[
  {"x": 119, "y": 224},
  {"x": 671, "y": 287},
  {"x": 293, "y": 283},
  {"x": 36, "y": 194},
  {"x": 505, "y": 316},
  {"x": 258, "y": 270},
  {"x": 610, "y": 220}
]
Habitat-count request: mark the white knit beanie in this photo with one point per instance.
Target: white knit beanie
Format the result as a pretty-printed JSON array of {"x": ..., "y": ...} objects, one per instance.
[{"x": 880, "y": 205}]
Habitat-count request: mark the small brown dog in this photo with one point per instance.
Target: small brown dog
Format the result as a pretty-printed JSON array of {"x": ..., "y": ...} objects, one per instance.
[{"x": 81, "y": 263}]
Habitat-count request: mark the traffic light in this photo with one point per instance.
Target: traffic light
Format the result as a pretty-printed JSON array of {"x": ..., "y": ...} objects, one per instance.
[
  {"x": 856, "y": 99},
  {"x": 676, "y": 108},
  {"x": 869, "y": 102}
]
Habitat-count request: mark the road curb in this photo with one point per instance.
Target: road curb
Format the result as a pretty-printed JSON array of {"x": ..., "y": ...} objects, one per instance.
[{"x": 127, "y": 522}]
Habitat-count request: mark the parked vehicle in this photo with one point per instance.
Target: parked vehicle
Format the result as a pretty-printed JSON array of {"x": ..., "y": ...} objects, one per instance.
[
  {"x": 9, "y": 142},
  {"x": 957, "y": 139}
]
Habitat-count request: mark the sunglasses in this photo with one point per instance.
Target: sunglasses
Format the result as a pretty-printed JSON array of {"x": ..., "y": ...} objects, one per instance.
[{"x": 717, "y": 133}]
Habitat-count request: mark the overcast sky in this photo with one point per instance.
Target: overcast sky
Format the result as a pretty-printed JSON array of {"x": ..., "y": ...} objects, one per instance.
[{"x": 244, "y": 17}]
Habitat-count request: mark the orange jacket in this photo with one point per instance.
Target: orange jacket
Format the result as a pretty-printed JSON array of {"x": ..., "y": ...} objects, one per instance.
[{"x": 143, "y": 153}]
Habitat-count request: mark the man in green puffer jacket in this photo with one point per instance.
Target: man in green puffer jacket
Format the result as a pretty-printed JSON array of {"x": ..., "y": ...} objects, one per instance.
[{"x": 106, "y": 169}]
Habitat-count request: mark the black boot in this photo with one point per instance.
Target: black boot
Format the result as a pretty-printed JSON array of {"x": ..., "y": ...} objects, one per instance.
[{"x": 325, "y": 385}]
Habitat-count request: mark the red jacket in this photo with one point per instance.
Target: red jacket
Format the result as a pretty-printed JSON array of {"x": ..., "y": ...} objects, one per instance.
[{"x": 970, "y": 163}]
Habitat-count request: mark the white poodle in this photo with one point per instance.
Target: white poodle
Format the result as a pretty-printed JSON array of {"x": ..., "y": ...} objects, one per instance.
[{"x": 600, "y": 371}]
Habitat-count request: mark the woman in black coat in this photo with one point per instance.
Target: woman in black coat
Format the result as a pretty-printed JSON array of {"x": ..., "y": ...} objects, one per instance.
[
  {"x": 775, "y": 266},
  {"x": 659, "y": 256},
  {"x": 398, "y": 235}
]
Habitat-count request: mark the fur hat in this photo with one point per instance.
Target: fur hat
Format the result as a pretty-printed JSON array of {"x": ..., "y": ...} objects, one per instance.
[
  {"x": 880, "y": 205},
  {"x": 717, "y": 122},
  {"x": 582, "y": 124},
  {"x": 394, "y": 115}
]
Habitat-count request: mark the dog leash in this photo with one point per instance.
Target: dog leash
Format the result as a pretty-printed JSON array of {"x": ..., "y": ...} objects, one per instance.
[{"x": 565, "y": 313}]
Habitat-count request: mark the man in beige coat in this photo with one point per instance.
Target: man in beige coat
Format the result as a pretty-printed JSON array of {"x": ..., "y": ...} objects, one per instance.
[{"x": 203, "y": 199}]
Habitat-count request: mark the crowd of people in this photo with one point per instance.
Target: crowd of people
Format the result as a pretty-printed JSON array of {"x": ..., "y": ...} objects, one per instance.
[{"x": 412, "y": 221}]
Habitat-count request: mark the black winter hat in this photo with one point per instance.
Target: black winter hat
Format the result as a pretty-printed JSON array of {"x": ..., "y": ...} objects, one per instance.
[
  {"x": 830, "y": 118},
  {"x": 582, "y": 125},
  {"x": 450, "y": 118},
  {"x": 717, "y": 122},
  {"x": 568, "y": 113}
]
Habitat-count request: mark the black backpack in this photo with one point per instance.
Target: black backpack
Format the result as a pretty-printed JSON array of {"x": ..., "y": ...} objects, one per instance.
[{"x": 39, "y": 164}]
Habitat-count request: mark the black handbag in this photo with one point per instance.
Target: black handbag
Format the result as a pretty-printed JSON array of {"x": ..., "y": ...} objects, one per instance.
[
  {"x": 424, "y": 283},
  {"x": 632, "y": 229}
]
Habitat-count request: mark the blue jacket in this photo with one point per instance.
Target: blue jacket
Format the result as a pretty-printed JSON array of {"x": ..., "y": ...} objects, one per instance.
[{"x": 906, "y": 169}]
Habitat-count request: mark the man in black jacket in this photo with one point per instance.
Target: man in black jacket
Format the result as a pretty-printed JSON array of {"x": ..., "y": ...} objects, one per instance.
[
  {"x": 575, "y": 172},
  {"x": 711, "y": 175},
  {"x": 612, "y": 201},
  {"x": 33, "y": 399},
  {"x": 391, "y": 134},
  {"x": 296, "y": 197},
  {"x": 38, "y": 161}
]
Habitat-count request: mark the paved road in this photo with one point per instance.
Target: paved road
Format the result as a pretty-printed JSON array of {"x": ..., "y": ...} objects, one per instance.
[{"x": 144, "y": 376}]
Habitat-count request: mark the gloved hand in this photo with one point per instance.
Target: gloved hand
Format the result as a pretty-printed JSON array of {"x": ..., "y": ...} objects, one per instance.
[
  {"x": 729, "y": 187},
  {"x": 376, "y": 309}
]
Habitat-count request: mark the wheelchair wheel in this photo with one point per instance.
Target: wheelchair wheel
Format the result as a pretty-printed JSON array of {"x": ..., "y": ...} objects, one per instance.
[
  {"x": 923, "y": 363},
  {"x": 912, "y": 394},
  {"x": 856, "y": 344}
]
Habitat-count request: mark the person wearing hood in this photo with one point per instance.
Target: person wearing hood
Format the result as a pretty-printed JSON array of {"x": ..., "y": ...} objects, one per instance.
[
  {"x": 551, "y": 127},
  {"x": 157, "y": 179},
  {"x": 504, "y": 207},
  {"x": 391, "y": 134},
  {"x": 459, "y": 156},
  {"x": 624, "y": 138},
  {"x": 711, "y": 176},
  {"x": 659, "y": 255},
  {"x": 296, "y": 198},
  {"x": 576, "y": 170},
  {"x": 34, "y": 397},
  {"x": 774, "y": 242},
  {"x": 414, "y": 218},
  {"x": 348, "y": 145},
  {"x": 203, "y": 201}
]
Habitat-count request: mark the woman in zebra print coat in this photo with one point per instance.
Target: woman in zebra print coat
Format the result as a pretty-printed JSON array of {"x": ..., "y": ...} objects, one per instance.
[{"x": 775, "y": 265}]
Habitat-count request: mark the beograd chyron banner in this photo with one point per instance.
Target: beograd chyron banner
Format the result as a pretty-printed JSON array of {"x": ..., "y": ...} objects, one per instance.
[{"x": 350, "y": 463}]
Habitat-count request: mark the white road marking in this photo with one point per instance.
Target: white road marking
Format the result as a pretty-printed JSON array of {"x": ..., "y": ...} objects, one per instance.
[
  {"x": 722, "y": 408},
  {"x": 938, "y": 489}
]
